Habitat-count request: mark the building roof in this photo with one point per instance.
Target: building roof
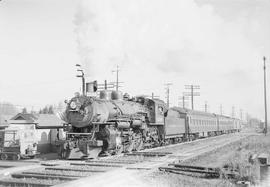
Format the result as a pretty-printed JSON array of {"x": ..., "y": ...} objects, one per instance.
[
  {"x": 27, "y": 117},
  {"x": 49, "y": 121},
  {"x": 40, "y": 120}
]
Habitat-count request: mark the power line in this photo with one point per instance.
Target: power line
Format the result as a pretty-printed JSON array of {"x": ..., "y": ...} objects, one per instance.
[
  {"x": 117, "y": 76},
  {"x": 167, "y": 87},
  {"x": 192, "y": 93},
  {"x": 233, "y": 112},
  {"x": 221, "y": 109},
  {"x": 206, "y": 106},
  {"x": 154, "y": 96},
  {"x": 183, "y": 101},
  {"x": 106, "y": 85},
  {"x": 114, "y": 84},
  {"x": 265, "y": 102},
  {"x": 241, "y": 114}
]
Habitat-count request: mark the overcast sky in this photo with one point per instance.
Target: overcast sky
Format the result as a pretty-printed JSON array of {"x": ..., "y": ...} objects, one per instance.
[{"x": 217, "y": 44}]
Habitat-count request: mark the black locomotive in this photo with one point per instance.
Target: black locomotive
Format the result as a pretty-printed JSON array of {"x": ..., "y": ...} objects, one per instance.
[{"x": 112, "y": 125}]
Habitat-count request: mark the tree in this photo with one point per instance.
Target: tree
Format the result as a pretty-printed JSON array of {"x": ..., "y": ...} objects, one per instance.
[
  {"x": 61, "y": 106},
  {"x": 45, "y": 110},
  {"x": 50, "y": 110},
  {"x": 8, "y": 109},
  {"x": 24, "y": 110}
]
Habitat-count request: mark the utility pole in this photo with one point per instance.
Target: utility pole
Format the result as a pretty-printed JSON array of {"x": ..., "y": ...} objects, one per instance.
[
  {"x": 154, "y": 96},
  {"x": 241, "y": 114},
  {"x": 117, "y": 78},
  {"x": 105, "y": 86},
  {"x": 192, "y": 93},
  {"x": 168, "y": 93},
  {"x": 183, "y": 100},
  {"x": 265, "y": 102},
  {"x": 220, "y": 109},
  {"x": 248, "y": 118},
  {"x": 82, "y": 76},
  {"x": 205, "y": 106},
  {"x": 233, "y": 112}
]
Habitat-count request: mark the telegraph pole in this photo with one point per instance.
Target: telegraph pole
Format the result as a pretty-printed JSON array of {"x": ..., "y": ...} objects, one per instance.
[
  {"x": 117, "y": 79},
  {"x": 153, "y": 96},
  {"x": 265, "y": 102},
  {"x": 233, "y": 112},
  {"x": 241, "y": 114},
  {"x": 205, "y": 106},
  {"x": 192, "y": 93},
  {"x": 221, "y": 110},
  {"x": 105, "y": 86},
  {"x": 168, "y": 93},
  {"x": 183, "y": 101},
  {"x": 248, "y": 118}
]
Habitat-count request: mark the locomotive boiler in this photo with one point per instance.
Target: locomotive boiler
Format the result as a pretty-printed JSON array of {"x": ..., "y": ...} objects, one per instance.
[{"x": 111, "y": 125}]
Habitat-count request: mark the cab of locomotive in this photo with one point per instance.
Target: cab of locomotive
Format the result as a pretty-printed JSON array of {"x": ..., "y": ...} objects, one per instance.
[{"x": 157, "y": 109}]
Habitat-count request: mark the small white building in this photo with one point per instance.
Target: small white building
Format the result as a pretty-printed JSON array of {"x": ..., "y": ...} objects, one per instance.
[{"x": 44, "y": 128}]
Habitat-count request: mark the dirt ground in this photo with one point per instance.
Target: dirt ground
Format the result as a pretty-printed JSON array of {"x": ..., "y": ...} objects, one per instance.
[{"x": 235, "y": 155}]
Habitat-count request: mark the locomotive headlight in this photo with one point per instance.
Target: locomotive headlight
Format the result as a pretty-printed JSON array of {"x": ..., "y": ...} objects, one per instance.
[{"x": 73, "y": 105}]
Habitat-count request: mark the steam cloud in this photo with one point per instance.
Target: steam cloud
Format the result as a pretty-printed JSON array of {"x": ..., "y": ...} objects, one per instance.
[
  {"x": 157, "y": 37},
  {"x": 171, "y": 35}
]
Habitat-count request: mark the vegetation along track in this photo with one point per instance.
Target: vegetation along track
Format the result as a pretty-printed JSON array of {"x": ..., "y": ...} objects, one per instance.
[{"x": 144, "y": 160}]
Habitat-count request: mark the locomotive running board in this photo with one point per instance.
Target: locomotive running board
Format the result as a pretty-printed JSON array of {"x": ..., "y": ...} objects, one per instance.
[
  {"x": 103, "y": 123},
  {"x": 156, "y": 123},
  {"x": 148, "y": 154}
]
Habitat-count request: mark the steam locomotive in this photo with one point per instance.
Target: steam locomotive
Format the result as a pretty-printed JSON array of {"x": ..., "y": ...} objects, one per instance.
[{"x": 111, "y": 125}]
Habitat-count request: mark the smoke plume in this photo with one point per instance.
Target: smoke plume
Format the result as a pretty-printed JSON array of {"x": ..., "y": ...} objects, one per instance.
[{"x": 174, "y": 40}]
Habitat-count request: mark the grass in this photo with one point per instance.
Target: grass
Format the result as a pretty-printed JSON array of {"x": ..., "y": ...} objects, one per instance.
[
  {"x": 234, "y": 156},
  {"x": 240, "y": 158},
  {"x": 161, "y": 179}
]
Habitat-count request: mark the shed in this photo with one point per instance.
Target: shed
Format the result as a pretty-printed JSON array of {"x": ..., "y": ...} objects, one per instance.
[{"x": 48, "y": 128}]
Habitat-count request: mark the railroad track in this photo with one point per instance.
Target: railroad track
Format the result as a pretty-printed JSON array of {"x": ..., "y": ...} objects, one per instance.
[
  {"x": 62, "y": 174},
  {"x": 134, "y": 174},
  {"x": 58, "y": 174}
]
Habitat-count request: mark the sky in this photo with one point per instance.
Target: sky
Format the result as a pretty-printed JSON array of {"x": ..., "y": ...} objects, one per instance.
[{"x": 217, "y": 44}]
